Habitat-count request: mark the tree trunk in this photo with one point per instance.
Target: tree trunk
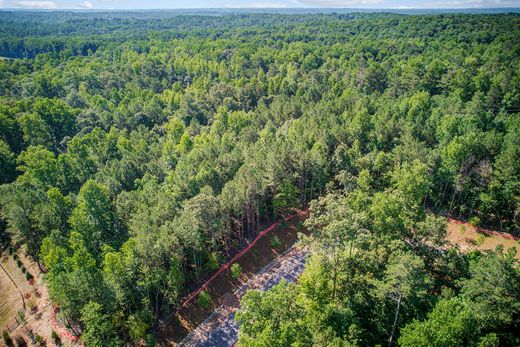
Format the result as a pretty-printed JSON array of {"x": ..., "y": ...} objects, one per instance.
[
  {"x": 396, "y": 319},
  {"x": 335, "y": 277}
]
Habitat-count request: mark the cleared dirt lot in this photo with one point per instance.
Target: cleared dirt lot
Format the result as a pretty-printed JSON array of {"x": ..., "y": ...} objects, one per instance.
[
  {"x": 10, "y": 299},
  {"x": 468, "y": 237},
  {"x": 38, "y": 319}
]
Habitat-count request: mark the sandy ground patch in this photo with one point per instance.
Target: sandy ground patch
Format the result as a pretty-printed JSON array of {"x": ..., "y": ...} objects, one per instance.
[
  {"x": 468, "y": 237},
  {"x": 10, "y": 297},
  {"x": 38, "y": 307}
]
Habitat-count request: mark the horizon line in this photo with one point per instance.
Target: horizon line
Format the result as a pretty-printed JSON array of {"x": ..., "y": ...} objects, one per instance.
[{"x": 259, "y": 8}]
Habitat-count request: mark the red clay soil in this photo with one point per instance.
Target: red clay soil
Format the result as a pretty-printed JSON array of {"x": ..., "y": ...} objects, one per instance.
[
  {"x": 469, "y": 237},
  {"x": 190, "y": 315}
]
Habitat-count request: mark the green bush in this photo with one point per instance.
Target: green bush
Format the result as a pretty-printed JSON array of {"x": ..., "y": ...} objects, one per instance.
[
  {"x": 23, "y": 269},
  {"x": 205, "y": 300},
  {"x": 236, "y": 270},
  {"x": 150, "y": 340},
  {"x": 475, "y": 221},
  {"x": 275, "y": 242},
  {"x": 28, "y": 276},
  {"x": 19, "y": 263},
  {"x": 480, "y": 239},
  {"x": 55, "y": 337},
  {"x": 21, "y": 316},
  {"x": 38, "y": 339},
  {"x": 7, "y": 338},
  {"x": 212, "y": 263}
]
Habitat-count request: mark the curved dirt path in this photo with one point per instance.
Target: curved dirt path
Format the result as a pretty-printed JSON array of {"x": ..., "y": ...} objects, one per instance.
[{"x": 220, "y": 329}]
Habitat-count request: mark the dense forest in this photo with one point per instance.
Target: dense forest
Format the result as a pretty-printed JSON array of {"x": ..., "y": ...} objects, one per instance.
[{"x": 138, "y": 152}]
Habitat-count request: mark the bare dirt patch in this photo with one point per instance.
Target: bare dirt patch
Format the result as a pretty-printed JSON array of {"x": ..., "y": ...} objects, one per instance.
[
  {"x": 10, "y": 297},
  {"x": 467, "y": 237},
  {"x": 37, "y": 308}
]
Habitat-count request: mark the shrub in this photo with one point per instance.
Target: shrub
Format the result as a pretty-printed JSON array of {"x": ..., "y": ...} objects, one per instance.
[
  {"x": 19, "y": 263},
  {"x": 11, "y": 250},
  {"x": 28, "y": 276},
  {"x": 21, "y": 316},
  {"x": 236, "y": 271},
  {"x": 55, "y": 337},
  {"x": 212, "y": 264},
  {"x": 7, "y": 338},
  {"x": 480, "y": 239},
  {"x": 32, "y": 305},
  {"x": 205, "y": 300},
  {"x": 15, "y": 256},
  {"x": 24, "y": 270},
  {"x": 275, "y": 242},
  {"x": 150, "y": 340},
  {"x": 475, "y": 221},
  {"x": 38, "y": 339}
]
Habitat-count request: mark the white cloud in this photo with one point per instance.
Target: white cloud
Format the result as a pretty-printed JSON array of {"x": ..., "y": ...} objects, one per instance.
[
  {"x": 86, "y": 5},
  {"x": 258, "y": 5},
  {"x": 339, "y": 3},
  {"x": 431, "y": 4},
  {"x": 472, "y": 3},
  {"x": 35, "y": 4}
]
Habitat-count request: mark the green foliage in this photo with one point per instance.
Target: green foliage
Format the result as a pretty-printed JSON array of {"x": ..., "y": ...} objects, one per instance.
[
  {"x": 135, "y": 159},
  {"x": 480, "y": 239},
  {"x": 21, "y": 316},
  {"x": 449, "y": 324},
  {"x": 272, "y": 319},
  {"x": 276, "y": 243},
  {"x": 7, "y": 339},
  {"x": 475, "y": 221},
  {"x": 204, "y": 300},
  {"x": 236, "y": 270},
  {"x": 99, "y": 329},
  {"x": 212, "y": 264},
  {"x": 286, "y": 198},
  {"x": 7, "y": 163},
  {"x": 94, "y": 218}
]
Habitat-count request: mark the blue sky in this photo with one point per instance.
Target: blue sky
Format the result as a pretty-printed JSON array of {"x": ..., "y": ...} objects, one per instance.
[{"x": 172, "y": 4}]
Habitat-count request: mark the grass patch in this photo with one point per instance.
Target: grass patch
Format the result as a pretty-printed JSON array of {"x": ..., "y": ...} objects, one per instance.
[{"x": 480, "y": 239}]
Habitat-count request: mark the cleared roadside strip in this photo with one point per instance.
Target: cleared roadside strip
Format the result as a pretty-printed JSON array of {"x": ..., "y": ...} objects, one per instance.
[{"x": 220, "y": 328}]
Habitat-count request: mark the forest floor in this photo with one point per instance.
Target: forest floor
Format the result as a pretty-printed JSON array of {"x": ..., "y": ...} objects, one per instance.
[
  {"x": 11, "y": 300},
  {"x": 35, "y": 303},
  {"x": 222, "y": 289},
  {"x": 467, "y": 237}
]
